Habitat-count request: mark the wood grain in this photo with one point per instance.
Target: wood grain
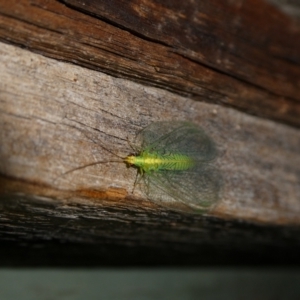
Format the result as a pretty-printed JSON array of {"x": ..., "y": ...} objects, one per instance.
[
  {"x": 243, "y": 54},
  {"x": 42, "y": 231},
  {"x": 56, "y": 116}
]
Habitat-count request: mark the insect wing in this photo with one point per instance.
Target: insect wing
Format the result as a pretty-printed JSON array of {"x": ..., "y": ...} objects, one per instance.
[
  {"x": 177, "y": 138},
  {"x": 198, "y": 187}
]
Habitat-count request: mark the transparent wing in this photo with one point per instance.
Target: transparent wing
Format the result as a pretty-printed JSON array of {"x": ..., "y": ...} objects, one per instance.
[
  {"x": 177, "y": 137},
  {"x": 198, "y": 187}
]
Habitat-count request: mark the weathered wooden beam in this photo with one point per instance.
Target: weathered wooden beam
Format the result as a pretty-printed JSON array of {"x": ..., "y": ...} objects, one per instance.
[
  {"x": 241, "y": 54},
  {"x": 55, "y": 116},
  {"x": 41, "y": 231}
]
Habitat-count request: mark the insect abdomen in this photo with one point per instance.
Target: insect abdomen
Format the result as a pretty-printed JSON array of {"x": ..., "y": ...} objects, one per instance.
[{"x": 149, "y": 162}]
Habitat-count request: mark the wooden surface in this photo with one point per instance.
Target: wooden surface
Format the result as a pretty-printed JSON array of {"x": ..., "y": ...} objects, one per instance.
[
  {"x": 290, "y": 7},
  {"x": 243, "y": 54},
  {"x": 54, "y": 116},
  {"x": 39, "y": 231}
]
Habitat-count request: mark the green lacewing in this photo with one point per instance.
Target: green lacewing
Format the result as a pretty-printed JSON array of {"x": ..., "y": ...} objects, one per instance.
[{"x": 175, "y": 162}]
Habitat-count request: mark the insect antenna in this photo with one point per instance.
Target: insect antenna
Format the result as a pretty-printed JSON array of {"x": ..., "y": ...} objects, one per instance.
[
  {"x": 121, "y": 159},
  {"x": 93, "y": 164},
  {"x": 132, "y": 146}
]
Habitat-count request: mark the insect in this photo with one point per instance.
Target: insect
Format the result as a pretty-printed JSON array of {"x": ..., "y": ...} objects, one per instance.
[{"x": 175, "y": 162}]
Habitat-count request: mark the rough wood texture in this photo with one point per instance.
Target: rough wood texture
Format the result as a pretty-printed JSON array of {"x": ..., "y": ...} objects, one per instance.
[
  {"x": 55, "y": 116},
  {"x": 291, "y": 7},
  {"x": 244, "y": 54},
  {"x": 41, "y": 231}
]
